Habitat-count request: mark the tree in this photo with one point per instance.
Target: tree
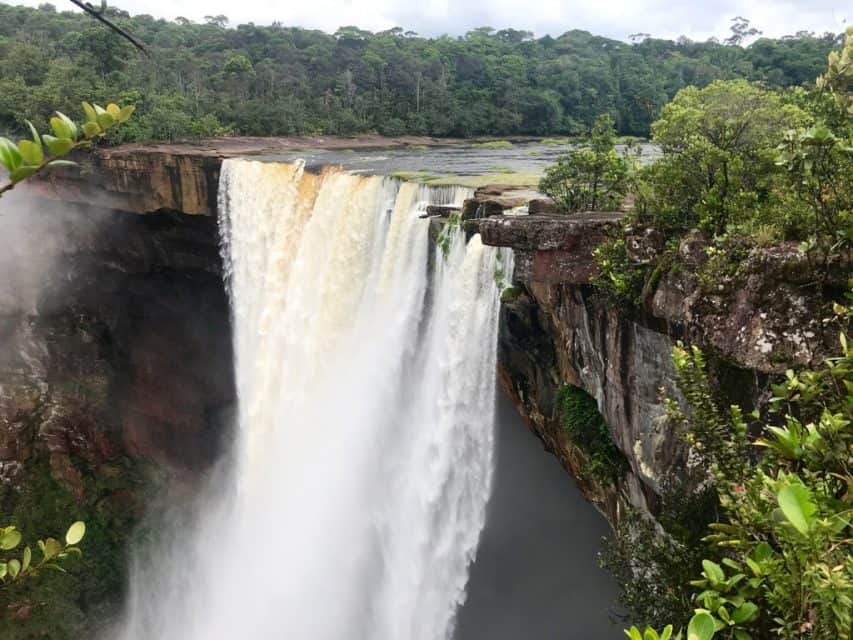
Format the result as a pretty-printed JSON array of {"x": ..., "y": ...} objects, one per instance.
[
  {"x": 741, "y": 30},
  {"x": 838, "y": 78},
  {"x": 219, "y": 21},
  {"x": 719, "y": 151},
  {"x": 489, "y": 83},
  {"x": 590, "y": 178}
]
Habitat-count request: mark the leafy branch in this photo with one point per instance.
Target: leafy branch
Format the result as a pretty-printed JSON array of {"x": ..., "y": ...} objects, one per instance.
[
  {"x": 29, "y": 157},
  {"x": 52, "y": 552}
]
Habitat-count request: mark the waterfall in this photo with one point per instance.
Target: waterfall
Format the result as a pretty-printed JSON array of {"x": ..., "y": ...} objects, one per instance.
[{"x": 362, "y": 463}]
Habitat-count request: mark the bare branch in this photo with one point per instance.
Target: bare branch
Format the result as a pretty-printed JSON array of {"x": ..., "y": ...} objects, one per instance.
[{"x": 98, "y": 15}]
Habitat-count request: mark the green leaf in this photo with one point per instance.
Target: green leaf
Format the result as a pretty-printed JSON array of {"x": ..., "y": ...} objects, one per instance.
[
  {"x": 713, "y": 571},
  {"x": 701, "y": 627},
  {"x": 4, "y": 569},
  {"x": 91, "y": 129},
  {"x": 650, "y": 634},
  {"x": 745, "y": 612},
  {"x": 10, "y": 157},
  {"x": 35, "y": 134},
  {"x": 667, "y": 632},
  {"x": 634, "y": 633},
  {"x": 763, "y": 552},
  {"x": 52, "y": 548},
  {"x": 75, "y": 532},
  {"x": 740, "y": 634},
  {"x": 114, "y": 110},
  {"x": 58, "y": 146},
  {"x": 32, "y": 153},
  {"x": 60, "y": 127},
  {"x": 26, "y": 559},
  {"x": 14, "y": 567},
  {"x": 22, "y": 173},
  {"x": 11, "y": 539},
  {"x": 72, "y": 127},
  {"x": 106, "y": 121},
  {"x": 796, "y": 503},
  {"x": 55, "y": 164},
  {"x": 126, "y": 112},
  {"x": 91, "y": 115}
]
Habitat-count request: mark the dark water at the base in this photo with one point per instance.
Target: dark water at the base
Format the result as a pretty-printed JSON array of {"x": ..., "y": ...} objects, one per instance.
[{"x": 536, "y": 576}]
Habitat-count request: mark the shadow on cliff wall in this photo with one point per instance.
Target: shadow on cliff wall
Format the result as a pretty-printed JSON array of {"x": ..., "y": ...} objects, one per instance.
[{"x": 114, "y": 335}]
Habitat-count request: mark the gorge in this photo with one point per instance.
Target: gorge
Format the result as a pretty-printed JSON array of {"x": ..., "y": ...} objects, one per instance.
[{"x": 120, "y": 362}]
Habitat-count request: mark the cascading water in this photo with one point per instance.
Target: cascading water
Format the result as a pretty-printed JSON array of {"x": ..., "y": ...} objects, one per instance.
[{"x": 363, "y": 457}]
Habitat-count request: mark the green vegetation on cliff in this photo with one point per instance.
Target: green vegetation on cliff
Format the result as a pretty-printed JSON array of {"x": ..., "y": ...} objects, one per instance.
[
  {"x": 588, "y": 431},
  {"x": 743, "y": 167},
  {"x": 208, "y": 79},
  {"x": 75, "y": 603},
  {"x": 778, "y": 558},
  {"x": 753, "y": 538},
  {"x": 590, "y": 177}
]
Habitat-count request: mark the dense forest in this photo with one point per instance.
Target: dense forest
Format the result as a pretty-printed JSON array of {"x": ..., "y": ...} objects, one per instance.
[{"x": 210, "y": 79}]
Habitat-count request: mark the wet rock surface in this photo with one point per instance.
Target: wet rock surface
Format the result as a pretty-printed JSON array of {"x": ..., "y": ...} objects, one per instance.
[
  {"x": 555, "y": 330},
  {"x": 115, "y": 341}
]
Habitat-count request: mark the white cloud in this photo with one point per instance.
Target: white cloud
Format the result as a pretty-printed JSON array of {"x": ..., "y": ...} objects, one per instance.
[{"x": 614, "y": 18}]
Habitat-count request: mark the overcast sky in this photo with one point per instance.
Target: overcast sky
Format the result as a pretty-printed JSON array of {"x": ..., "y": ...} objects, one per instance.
[{"x": 698, "y": 20}]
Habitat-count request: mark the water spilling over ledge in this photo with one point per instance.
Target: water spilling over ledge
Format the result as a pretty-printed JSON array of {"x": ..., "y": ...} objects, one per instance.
[{"x": 362, "y": 463}]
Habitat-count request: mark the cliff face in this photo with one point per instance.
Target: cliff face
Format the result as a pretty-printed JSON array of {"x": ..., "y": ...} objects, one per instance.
[
  {"x": 116, "y": 340},
  {"x": 179, "y": 178},
  {"x": 556, "y": 330}
]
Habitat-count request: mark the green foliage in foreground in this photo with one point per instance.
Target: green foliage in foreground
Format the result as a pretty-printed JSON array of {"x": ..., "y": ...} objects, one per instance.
[
  {"x": 587, "y": 430},
  {"x": 589, "y": 177},
  {"x": 212, "y": 79},
  {"x": 45, "y": 151},
  {"x": 52, "y": 551},
  {"x": 780, "y": 556},
  {"x": 77, "y": 603}
]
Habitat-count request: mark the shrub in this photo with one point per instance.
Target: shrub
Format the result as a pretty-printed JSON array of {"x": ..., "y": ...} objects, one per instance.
[
  {"x": 589, "y": 178},
  {"x": 618, "y": 279},
  {"x": 781, "y": 561}
]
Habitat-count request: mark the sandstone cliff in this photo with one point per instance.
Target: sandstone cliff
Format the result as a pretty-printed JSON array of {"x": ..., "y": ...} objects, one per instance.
[
  {"x": 116, "y": 339},
  {"x": 556, "y": 330}
]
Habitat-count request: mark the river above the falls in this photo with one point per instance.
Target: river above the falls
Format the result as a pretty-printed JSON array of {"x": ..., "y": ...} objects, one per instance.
[{"x": 518, "y": 163}]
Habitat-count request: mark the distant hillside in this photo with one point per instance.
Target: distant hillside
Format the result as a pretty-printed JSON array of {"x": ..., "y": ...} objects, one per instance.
[{"x": 208, "y": 79}]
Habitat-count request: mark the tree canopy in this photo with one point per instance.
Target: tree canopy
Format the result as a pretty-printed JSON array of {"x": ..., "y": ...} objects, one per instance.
[{"x": 211, "y": 79}]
